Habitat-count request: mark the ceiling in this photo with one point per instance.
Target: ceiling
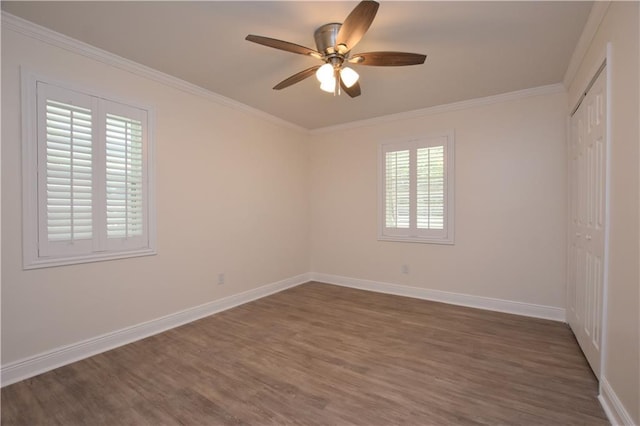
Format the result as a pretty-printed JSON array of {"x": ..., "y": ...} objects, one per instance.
[{"x": 474, "y": 49}]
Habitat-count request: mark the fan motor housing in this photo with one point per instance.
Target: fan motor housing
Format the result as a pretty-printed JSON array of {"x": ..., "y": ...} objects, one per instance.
[{"x": 325, "y": 37}]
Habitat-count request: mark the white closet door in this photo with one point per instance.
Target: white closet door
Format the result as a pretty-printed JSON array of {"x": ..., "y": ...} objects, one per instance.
[{"x": 587, "y": 173}]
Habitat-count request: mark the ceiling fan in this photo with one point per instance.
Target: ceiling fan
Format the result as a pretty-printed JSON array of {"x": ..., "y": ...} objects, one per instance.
[{"x": 334, "y": 43}]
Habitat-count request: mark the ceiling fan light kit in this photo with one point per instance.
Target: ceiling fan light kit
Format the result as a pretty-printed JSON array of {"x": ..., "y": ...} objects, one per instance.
[
  {"x": 326, "y": 75},
  {"x": 334, "y": 43}
]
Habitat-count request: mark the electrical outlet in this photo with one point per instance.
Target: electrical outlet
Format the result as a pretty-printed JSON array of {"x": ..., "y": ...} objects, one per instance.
[
  {"x": 405, "y": 269},
  {"x": 220, "y": 278}
]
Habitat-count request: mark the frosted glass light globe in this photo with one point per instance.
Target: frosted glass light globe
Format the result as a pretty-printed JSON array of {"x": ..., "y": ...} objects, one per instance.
[
  {"x": 324, "y": 73},
  {"x": 349, "y": 76},
  {"x": 329, "y": 85}
]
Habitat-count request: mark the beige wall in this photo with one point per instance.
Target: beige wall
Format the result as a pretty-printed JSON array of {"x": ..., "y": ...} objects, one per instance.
[
  {"x": 261, "y": 202},
  {"x": 510, "y": 195},
  {"x": 231, "y": 197},
  {"x": 620, "y": 28}
]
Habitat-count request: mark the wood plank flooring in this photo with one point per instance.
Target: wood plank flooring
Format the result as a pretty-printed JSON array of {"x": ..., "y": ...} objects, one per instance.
[{"x": 319, "y": 354}]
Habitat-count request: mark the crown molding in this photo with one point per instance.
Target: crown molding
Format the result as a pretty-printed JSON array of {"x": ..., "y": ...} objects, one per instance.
[
  {"x": 53, "y": 38},
  {"x": 598, "y": 11},
  {"x": 438, "y": 109}
]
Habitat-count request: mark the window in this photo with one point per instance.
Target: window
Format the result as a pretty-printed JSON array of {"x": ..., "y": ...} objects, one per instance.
[
  {"x": 416, "y": 190},
  {"x": 87, "y": 177}
]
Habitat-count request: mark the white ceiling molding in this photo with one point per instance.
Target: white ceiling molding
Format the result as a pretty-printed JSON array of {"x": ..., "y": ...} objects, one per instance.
[
  {"x": 455, "y": 106},
  {"x": 598, "y": 11},
  {"x": 56, "y": 39}
]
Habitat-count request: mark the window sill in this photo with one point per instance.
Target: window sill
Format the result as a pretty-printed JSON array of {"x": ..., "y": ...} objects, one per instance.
[
  {"x": 420, "y": 240},
  {"x": 52, "y": 262}
]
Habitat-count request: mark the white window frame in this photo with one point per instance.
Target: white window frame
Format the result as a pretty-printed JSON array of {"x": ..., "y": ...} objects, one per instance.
[
  {"x": 412, "y": 234},
  {"x": 33, "y": 203}
]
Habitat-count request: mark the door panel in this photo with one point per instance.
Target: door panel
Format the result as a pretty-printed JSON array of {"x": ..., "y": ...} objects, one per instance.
[{"x": 587, "y": 175}]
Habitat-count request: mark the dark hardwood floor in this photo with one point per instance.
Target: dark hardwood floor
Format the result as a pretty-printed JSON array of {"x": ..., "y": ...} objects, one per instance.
[{"x": 319, "y": 354}]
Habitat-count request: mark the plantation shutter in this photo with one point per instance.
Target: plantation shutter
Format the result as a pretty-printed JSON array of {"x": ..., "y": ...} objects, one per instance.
[
  {"x": 397, "y": 189},
  {"x": 430, "y": 188},
  {"x": 65, "y": 163},
  {"x": 92, "y": 176},
  {"x": 124, "y": 178},
  {"x": 415, "y": 190}
]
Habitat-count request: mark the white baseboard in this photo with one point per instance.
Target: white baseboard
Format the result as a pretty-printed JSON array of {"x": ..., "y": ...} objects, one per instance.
[
  {"x": 499, "y": 305},
  {"x": 612, "y": 406},
  {"x": 34, "y": 365},
  {"x": 23, "y": 369}
]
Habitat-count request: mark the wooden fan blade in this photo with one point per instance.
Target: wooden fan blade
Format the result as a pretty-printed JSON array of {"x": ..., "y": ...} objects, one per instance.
[
  {"x": 352, "y": 91},
  {"x": 283, "y": 45},
  {"x": 296, "y": 78},
  {"x": 356, "y": 24},
  {"x": 388, "y": 59}
]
